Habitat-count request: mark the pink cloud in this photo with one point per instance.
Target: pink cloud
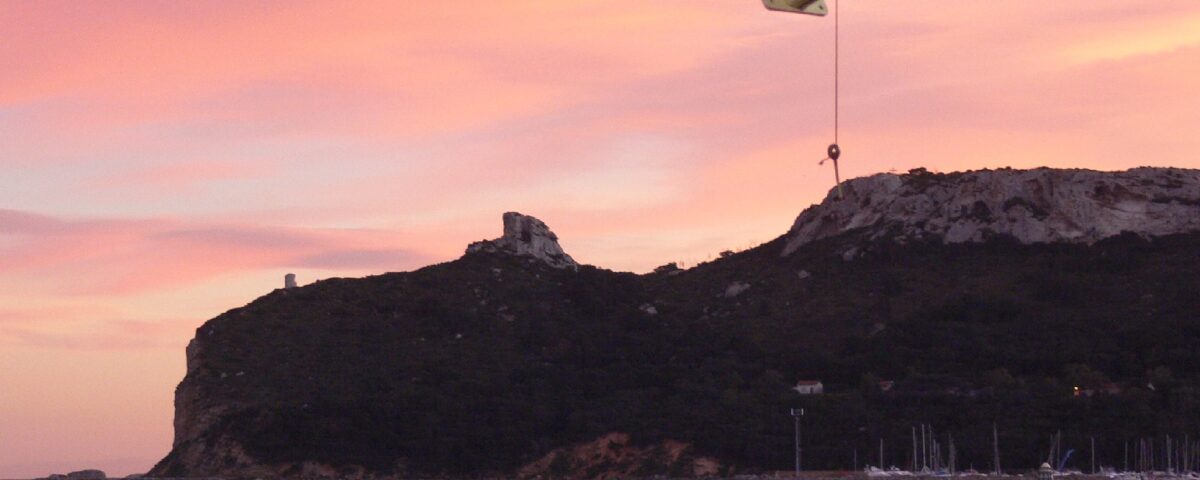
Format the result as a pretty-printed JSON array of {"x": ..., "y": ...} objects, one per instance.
[
  {"x": 25, "y": 315},
  {"x": 387, "y": 65},
  {"x": 106, "y": 334},
  {"x": 123, "y": 256},
  {"x": 186, "y": 174},
  {"x": 25, "y": 223}
]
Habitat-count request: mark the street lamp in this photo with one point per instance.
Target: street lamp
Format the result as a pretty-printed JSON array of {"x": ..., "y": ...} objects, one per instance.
[{"x": 796, "y": 414}]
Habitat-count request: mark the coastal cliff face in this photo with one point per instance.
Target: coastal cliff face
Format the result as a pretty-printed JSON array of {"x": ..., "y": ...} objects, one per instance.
[
  {"x": 204, "y": 444},
  {"x": 515, "y": 360},
  {"x": 1032, "y": 206}
]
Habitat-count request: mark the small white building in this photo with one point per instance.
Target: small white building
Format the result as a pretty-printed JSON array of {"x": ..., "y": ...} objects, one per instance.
[{"x": 809, "y": 387}]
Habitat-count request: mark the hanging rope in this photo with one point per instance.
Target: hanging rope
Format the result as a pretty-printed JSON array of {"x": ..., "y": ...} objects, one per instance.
[
  {"x": 836, "y": 63},
  {"x": 834, "y": 151}
]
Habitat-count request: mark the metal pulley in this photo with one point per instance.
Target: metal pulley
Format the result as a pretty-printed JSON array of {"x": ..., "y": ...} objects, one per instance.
[{"x": 834, "y": 152}]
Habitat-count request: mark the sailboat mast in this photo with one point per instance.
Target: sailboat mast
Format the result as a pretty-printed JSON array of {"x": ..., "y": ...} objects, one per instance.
[
  {"x": 996, "y": 448},
  {"x": 914, "y": 448}
]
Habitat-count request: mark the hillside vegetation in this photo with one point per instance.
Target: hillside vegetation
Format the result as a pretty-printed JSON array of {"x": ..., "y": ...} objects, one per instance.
[{"x": 485, "y": 364}]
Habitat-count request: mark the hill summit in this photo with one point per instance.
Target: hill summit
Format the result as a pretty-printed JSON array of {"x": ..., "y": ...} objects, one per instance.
[
  {"x": 529, "y": 237},
  {"x": 1032, "y": 206}
]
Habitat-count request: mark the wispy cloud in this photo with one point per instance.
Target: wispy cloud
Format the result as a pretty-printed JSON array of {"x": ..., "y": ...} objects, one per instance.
[
  {"x": 102, "y": 257},
  {"x": 100, "y": 334}
]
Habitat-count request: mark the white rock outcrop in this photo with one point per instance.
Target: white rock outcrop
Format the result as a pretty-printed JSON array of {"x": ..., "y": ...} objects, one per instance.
[
  {"x": 736, "y": 288},
  {"x": 1033, "y": 206},
  {"x": 527, "y": 236}
]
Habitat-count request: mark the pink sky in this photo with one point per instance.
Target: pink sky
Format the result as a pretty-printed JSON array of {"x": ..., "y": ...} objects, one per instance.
[{"x": 166, "y": 161}]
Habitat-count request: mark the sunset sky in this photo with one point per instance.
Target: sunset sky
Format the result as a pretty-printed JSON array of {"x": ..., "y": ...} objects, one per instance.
[{"x": 162, "y": 162}]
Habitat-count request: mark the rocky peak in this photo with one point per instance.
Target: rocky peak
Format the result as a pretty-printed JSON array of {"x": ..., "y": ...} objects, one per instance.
[
  {"x": 527, "y": 236},
  {"x": 1033, "y": 206}
]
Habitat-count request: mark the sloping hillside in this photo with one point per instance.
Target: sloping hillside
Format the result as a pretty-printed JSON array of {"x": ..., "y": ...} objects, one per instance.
[{"x": 489, "y": 363}]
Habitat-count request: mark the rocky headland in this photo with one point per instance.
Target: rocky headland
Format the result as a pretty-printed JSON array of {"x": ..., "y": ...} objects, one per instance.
[{"x": 976, "y": 297}]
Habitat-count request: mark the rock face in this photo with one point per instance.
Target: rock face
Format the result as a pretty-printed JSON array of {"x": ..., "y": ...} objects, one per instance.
[
  {"x": 527, "y": 236},
  {"x": 202, "y": 448},
  {"x": 1033, "y": 206},
  {"x": 614, "y": 456},
  {"x": 89, "y": 474}
]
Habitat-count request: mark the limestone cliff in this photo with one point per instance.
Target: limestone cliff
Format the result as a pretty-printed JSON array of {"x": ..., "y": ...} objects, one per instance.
[
  {"x": 204, "y": 444},
  {"x": 527, "y": 236},
  {"x": 1033, "y": 206}
]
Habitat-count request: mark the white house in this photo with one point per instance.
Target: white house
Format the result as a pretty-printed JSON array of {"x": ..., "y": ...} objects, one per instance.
[{"x": 809, "y": 387}]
